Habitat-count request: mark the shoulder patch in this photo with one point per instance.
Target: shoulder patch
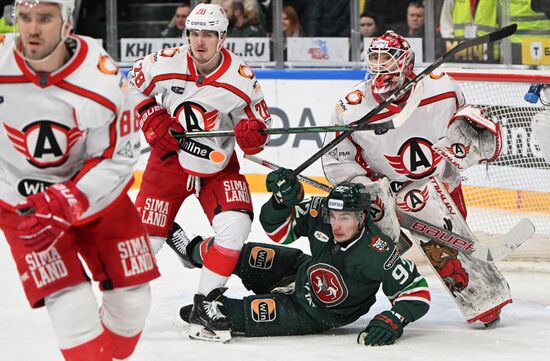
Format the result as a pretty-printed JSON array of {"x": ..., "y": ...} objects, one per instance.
[
  {"x": 394, "y": 256},
  {"x": 378, "y": 244},
  {"x": 315, "y": 205},
  {"x": 245, "y": 71},
  {"x": 321, "y": 236}
]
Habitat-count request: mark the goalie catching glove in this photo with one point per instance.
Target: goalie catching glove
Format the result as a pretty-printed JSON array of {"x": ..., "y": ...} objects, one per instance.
[
  {"x": 471, "y": 137},
  {"x": 47, "y": 215}
]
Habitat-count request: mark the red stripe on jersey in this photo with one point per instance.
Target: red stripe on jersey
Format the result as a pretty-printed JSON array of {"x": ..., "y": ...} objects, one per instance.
[
  {"x": 249, "y": 112},
  {"x": 279, "y": 236},
  {"x": 168, "y": 76},
  {"x": 233, "y": 90},
  {"x": 360, "y": 160},
  {"x": 108, "y": 153},
  {"x": 420, "y": 294},
  {"x": 11, "y": 79},
  {"x": 226, "y": 63},
  {"x": 59, "y": 75},
  {"x": 88, "y": 94},
  {"x": 437, "y": 98}
]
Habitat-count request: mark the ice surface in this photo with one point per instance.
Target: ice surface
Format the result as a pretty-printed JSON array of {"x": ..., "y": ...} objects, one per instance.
[{"x": 524, "y": 333}]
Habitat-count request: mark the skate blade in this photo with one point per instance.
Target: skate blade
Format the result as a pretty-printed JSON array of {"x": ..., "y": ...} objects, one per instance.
[{"x": 198, "y": 332}]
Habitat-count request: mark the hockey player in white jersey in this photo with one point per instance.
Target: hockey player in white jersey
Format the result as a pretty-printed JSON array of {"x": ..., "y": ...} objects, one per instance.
[
  {"x": 441, "y": 137},
  {"x": 68, "y": 147},
  {"x": 200, "y": 87}
]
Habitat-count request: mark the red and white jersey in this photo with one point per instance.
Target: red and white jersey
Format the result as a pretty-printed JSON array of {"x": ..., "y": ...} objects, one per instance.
[
  {"x": 403, "y": 154},
  {"x": 201, "y": 103},
  {"x": 75, "y": 123}
]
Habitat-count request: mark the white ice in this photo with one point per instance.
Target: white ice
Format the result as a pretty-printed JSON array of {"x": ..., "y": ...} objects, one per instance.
[{"x": 523, "y": 334}]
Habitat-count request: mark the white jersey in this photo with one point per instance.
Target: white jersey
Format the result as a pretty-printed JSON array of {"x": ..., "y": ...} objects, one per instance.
[
  {"x": 75, "y": 123},
  {"x": 403, "y": 154},
  {"x": 201, "y": 103}
]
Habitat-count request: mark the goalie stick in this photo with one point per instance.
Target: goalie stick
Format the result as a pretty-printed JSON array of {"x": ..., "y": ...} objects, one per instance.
[
  {"x": 488, "y": 253},
  {"x": 409, "y": 84}
]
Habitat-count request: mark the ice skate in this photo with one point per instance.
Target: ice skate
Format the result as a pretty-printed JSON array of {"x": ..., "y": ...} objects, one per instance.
[{"x": 206, "y": 321}]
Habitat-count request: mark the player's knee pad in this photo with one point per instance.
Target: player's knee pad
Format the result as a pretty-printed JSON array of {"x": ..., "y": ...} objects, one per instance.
[
  {"x": 156, "y": 243},
  {"x": 231, "y": 229},
  {"x": 74, "y": 315},
  {"x": 124, "y": 310}
]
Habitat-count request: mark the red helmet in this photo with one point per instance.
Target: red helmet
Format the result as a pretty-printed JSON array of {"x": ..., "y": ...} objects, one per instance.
[{"x": 390, "y": 60}]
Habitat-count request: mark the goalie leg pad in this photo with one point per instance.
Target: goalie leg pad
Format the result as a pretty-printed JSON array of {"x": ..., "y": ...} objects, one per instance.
[{"x": 475, "y": 286}]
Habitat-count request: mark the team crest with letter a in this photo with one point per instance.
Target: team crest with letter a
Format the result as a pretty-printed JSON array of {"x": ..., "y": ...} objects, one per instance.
[
  {"x": 263, "y": 310},
  {"x": 261, "y": 257},
  {"x": 327, "y": 284},
  {"x": 44, "y": 143}
]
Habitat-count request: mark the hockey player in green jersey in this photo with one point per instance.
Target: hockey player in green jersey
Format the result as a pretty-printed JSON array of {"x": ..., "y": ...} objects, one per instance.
[{"x": 298, "y": 294}]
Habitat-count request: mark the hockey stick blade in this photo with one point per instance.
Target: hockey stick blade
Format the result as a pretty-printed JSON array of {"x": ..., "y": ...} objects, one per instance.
[{"x": 487, "y": 253}]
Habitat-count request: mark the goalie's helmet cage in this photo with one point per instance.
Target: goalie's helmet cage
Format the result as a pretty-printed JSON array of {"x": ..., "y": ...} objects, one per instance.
[
  {"x": 66, "y": 6},
  {"x": 208, "y": 17},
  {"x": 390, "y": 60},
  {"x": 348, "y": 197}
]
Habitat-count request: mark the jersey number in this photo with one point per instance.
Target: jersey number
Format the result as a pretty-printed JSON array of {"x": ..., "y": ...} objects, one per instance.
[
  {"x": 400, "y": 274},
  {"x": 126, "y": 123}
]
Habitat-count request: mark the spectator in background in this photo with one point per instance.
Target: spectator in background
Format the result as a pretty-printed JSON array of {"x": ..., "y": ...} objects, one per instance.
[
  {"x": 470, "y": 19},
  {"x": 329, "y": 18},
  {"x": 291, "y": 25},
  {"x": 6, "y": 21},
  {"x": 239, "y": 26},
  {"x": 371, "y": 25},
  {"x": 176, "y": 28},
  {"x": 414, "y": 26},
  {"x": 393, "y": 13}
]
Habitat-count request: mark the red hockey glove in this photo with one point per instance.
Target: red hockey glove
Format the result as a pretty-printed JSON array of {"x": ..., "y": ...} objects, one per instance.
[
  {"x": 249, "y": 137},
  {"x": 49, "y": 214},
  {"x": 155, "y": 123},
  {"x": 383, "y": 329}
]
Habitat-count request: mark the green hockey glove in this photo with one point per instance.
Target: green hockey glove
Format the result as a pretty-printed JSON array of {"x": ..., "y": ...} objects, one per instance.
[
  {"x": 383, "y": 329},
  {"x": 286, "y": 190}
]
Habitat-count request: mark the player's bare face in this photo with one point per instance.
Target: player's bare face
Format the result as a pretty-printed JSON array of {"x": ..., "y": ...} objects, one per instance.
[
  {"x": 39, "y": 28},
  {"x": 204, "y": 45},
  {"x": 345, "y": 225}
]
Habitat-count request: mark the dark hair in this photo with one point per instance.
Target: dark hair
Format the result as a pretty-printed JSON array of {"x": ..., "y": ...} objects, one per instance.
[
  {"x": 378, "y": 21},
  {"x": 416, "y": 4},
  {"x": 238, "y": 5}
]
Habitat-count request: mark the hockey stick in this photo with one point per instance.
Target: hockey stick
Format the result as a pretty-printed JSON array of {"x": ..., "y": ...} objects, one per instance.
[
  {"x": 488, "y": 253},
  {"x": 494, "y": 36},
  {"x": 399, "y": 119}
]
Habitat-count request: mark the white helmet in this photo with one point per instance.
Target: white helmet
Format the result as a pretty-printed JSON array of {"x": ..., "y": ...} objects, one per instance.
[
  {"x": 208, "y": 17},
  {"x": 67, "y": 6}
]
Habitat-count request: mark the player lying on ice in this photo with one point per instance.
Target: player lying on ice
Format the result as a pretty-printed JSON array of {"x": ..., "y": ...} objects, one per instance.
[{"x": 298, "y": 294}]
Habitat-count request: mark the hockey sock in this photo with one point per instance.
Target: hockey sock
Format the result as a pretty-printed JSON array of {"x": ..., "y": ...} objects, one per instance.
[
  {"x": 122, "y": 346},
  {"x": 97, "y": 349}
]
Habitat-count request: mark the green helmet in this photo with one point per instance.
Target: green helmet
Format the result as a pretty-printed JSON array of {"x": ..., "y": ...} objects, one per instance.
[{"x": 347, "y": 196}]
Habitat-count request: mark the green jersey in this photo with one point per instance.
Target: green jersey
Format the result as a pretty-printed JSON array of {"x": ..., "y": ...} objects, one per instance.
[{"x": 338, "y": 284}]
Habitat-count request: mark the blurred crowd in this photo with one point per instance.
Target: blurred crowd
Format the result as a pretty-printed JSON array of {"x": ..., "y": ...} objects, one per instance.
[{"x": 453, "y": 19}]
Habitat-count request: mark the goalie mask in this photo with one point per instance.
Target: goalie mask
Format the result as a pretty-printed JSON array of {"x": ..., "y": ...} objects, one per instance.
[
  {"x": 390, "y": 61},
  {"x": 208, "y": 17}
]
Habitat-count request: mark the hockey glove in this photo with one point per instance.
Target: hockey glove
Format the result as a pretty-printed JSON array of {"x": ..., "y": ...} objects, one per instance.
[
  {"x": 155, "y": 123},
  {"x": 249, "y": 136},
  {"x": 49, "y": 214},
  {"x": 286, "y": 190},
  {"x": 383, "y": 329}
]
